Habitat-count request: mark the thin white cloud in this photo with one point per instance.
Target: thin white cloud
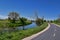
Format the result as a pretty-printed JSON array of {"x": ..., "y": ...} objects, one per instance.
[{"x": 3, "y": 17}]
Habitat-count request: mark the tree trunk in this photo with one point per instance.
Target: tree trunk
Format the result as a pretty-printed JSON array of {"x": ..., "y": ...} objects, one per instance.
[{"x": 23, "y": 28}]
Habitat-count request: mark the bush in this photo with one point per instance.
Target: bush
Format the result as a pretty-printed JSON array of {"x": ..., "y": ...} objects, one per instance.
[{"x": 39, "y": 21}]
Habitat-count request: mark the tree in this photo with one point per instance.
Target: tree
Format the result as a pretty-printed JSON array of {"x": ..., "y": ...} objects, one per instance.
[
  {"x": 38, "y": 21},
  {"x": 51, "y": 21},
  {"x": 44, "y": 20},
  {"x": 25, "y": 19},
  {"x": 23, "y": 22},
  {"x": 58, "y": 19},
  {"x": 13, "y": 16}
]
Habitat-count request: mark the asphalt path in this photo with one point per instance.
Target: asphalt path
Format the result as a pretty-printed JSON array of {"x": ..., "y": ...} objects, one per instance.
[{"x": 53, "y": 33}]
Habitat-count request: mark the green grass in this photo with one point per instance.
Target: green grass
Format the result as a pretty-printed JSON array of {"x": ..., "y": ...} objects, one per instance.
[
  {"x": 18, "y": 35},
  {"x": 57, "y": 23},
  {"x": 6, "y": 23}
]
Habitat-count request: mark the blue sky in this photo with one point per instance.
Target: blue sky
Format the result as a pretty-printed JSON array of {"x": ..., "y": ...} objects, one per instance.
[{"x": 50, "y": 9}]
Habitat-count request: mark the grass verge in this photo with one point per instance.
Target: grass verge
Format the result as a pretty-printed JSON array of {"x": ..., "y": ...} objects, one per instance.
[
  {"x": 18, "y": 35},
  {"x": 57, "y": 23}
]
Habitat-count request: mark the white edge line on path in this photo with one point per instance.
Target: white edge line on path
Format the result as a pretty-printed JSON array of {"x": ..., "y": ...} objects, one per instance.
[{"x": 35, "y": 35}]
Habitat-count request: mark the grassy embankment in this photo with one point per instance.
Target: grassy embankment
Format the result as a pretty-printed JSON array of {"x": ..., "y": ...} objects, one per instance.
[
  {"x": 6, "y": 23},
  {"x": 18, "y": 35},
  {"x": 57, "y": 23}
]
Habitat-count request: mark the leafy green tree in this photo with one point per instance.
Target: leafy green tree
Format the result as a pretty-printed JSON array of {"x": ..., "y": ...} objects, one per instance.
[
  {"x": 25, "y": 19},
  {"x": 51, "y": 21},
  {"x": 44, "y": 20},
  {"x": 23, "y": 22}
]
